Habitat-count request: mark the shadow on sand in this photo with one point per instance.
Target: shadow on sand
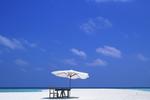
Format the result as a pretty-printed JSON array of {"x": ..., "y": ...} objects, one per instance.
[{"x": 61, "y": 98}]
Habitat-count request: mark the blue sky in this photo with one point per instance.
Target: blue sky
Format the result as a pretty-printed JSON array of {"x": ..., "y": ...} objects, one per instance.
[{"x": 109, "y": 39}]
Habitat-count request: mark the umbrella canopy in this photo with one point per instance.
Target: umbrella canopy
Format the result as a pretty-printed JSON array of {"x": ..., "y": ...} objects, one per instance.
[{"x": 71, "y": 74}]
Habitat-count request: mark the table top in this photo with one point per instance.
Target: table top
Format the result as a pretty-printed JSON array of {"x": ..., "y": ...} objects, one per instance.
[{"x": 60, "y": 89}]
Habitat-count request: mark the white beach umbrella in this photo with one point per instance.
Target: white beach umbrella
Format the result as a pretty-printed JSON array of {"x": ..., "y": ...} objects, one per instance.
[{"x": 71, "y": 74}]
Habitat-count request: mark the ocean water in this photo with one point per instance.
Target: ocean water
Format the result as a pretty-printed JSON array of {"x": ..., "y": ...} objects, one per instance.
[
  {"x": 148, "y": 90},
  {"x": 20, "y": 90},
  {"x": 39, "y": 90}
]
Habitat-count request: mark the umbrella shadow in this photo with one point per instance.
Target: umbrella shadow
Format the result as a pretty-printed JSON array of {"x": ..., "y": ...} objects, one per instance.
[{"x": 61, "y": 98}]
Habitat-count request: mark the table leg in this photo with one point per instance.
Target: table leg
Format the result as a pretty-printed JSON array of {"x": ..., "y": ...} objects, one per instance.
[
  {"x": 68, "y": 93},
  {"x": 57, "y": 94}
]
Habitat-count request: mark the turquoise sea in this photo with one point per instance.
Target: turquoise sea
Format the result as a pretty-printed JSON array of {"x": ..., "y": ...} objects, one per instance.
[
  {"x": 39, "y": 90},
  {"x": 148, "y": 90},
  {"x": 20, "y": 90}
]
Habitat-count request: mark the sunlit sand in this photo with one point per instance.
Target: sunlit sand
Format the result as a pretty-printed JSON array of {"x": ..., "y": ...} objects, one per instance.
[{"x": 82, "y": 94}]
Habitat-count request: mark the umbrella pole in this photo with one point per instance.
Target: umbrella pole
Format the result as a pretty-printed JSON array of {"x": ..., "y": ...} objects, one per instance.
[
  {"x": 70, "y": 82},
  {"x": 69, "y": 93}
]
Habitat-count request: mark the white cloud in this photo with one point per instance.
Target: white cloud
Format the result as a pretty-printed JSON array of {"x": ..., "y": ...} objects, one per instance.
[
  {"x": 14, "y": 44},
  {"x": 105, "y": 1},
  {"x": 21, "y": 62},
  {"x": 71, "y": 62},
  {"x": 42, "y": 49},
  {"x": 109, "y": 51},
  {"x": 95, "y": 24},
  {"x": 23, "y": 70},
  {"x": 79, "y": 53},
  {"x": 57, "y": 42},
  {"x": 97, "y": 62},
  {"x": 32, "y": 45},
  {"x": 29, "y": 44},
  {"x": 10, "y": 43},
  {"x": 39, "y": 69},
  {"x": 142, "y": 57}
]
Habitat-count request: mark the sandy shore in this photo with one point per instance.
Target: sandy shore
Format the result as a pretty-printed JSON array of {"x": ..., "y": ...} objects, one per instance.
[{"x": 82, "y": 94}]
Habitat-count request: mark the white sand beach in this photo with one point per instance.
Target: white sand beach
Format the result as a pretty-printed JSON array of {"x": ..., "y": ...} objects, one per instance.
[{"x": 82, "y": 94}]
